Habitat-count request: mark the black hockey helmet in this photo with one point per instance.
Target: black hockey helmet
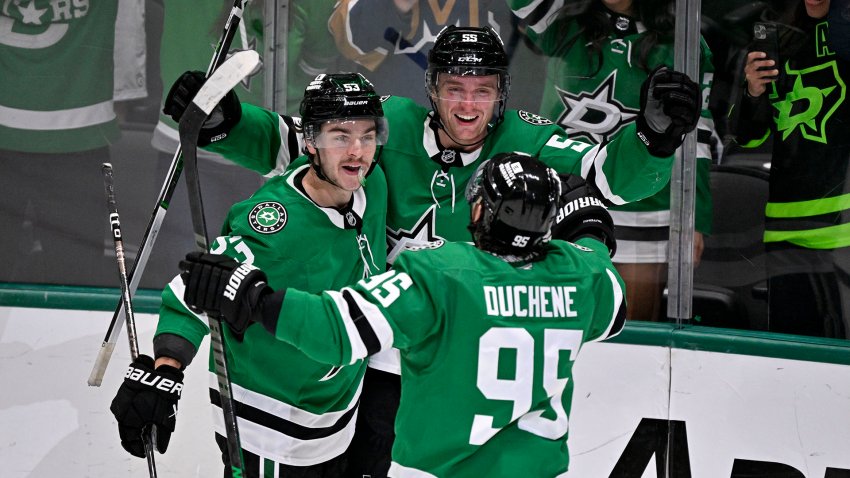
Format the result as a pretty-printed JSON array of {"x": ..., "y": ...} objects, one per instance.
[
  {"x": 469, "y": 51},
  {"x": 341, "y": 97},
  {"x": 519, "y": 195}
]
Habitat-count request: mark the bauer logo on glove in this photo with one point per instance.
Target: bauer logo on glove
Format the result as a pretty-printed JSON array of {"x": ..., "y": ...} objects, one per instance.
[{"x": 146, "y": 377}]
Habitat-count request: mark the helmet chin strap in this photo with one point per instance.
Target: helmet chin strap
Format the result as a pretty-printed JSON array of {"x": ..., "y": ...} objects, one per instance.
[{"x": 317, "y": 168}]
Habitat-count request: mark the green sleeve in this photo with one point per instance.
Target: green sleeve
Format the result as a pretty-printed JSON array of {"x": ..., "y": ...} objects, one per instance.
[
  {"x": 254, "y": 142},
  {"x": 175, "y": 318},
  {"x": 313, "y": 324}
]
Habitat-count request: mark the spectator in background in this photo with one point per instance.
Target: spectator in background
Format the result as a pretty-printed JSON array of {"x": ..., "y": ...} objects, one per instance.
[
  {"x": 391, "y": 39},
  {"x": 599, "y": 53},
  {"x": 800, "y": 101},
  {"x": 56, "y": 123}
]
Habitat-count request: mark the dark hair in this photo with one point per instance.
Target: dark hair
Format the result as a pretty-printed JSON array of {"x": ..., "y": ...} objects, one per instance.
[{"x": 594, "y": 27}]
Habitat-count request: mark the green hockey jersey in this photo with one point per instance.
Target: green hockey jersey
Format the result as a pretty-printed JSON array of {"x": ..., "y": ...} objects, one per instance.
[
  {"x": 56, "y": 85},
  {"x": 426, "y": 182},
  {"x": 594, "y": 101},
  {"x": 291, "y": 409},
  {"x": 487, "y": 350}
]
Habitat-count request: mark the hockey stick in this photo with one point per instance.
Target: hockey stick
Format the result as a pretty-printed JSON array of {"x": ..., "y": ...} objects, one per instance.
[
  {"x": 225, "y": 78},
  {"x": 115, "y": 223},
  {"x": 231, "y": 27}
]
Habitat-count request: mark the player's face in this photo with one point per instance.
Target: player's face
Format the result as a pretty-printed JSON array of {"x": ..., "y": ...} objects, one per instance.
[
  {"x": 346, "y": 150},
  {"x": 465, "y": 104},
  {"x": 817, "y": 8}
]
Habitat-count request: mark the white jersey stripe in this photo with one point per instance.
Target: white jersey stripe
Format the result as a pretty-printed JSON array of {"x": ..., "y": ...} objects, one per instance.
[
  {"x": 270, "y": 444},
  {"x": 358, "y": 348},
  {"x": 71, "y": 118},
  {"x": 284, "y": 410},
  {"x": 399, "y": 471}
]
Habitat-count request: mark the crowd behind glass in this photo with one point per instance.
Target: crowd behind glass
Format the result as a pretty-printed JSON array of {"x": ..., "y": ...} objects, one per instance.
[{"x": 52, "y": 201}]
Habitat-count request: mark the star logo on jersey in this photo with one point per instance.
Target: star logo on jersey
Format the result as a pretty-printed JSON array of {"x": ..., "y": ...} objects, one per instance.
[
  {"x": 533, "y": 118},
  {"x": 421, "y": 236},
  {"x": 596, "y": 114},
  {"x": 31, "y": 15},
  {"x": 267, "y": 217},
  {"x": 807, "y": 107}
]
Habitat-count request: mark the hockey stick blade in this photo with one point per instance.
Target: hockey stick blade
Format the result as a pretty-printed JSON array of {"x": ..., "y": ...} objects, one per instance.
[
  {"x": 95, "y": 379},
  {"x": 225, "y": 78}
]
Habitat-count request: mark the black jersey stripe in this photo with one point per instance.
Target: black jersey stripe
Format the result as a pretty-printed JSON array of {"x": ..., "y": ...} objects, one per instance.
[
  {"x": 282, "y": 425},
  {"x": 291, "y": 137},
  {"x": 619, "y": 320},
  {"x": 364, "y": 328}
]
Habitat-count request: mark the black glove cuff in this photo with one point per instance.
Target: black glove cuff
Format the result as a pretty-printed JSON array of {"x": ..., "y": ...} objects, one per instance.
[
  {"x": 174, "y": 346},
  {"x": 659, "y": 145},
  {"x": 270, "y": 305},
  {"x": 231, "y": 109}
]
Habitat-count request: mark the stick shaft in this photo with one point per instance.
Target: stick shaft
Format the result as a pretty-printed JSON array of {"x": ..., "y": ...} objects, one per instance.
[
  {"x": 126, "y": 300},
  {"x": 231, "y": 27}
]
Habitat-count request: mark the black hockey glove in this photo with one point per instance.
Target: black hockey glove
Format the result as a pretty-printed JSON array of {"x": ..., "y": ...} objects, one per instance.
[
  {"x": 222, "y": 287},
  {"x": 147, "y": 398},
  {"x": 669, "y": 108},
  {"x": 223, "y": 117},
  {"x": 581, "y": 213}
]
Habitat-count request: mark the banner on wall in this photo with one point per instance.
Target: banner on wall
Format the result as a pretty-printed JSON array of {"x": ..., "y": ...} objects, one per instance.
[{"x": 727, "y": 415}]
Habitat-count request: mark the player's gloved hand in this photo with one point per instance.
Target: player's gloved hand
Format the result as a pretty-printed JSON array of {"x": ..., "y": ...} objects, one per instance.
[
  {"x": 669, "y": 108},
  {"x": 582, "y": 214},
  {"x": 223, "y": 117},
  {"x": 222, "y": 287},
  {"x": 148, "y": 397}
]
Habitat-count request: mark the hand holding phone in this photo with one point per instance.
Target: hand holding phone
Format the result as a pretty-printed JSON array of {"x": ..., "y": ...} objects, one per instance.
[{"x": 766, "y": 39}]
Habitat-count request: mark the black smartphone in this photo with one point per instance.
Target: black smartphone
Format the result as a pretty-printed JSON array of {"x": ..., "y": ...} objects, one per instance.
[{"x": 766, "y": 39}]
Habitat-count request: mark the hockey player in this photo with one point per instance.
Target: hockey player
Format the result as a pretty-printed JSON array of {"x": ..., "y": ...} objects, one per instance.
[
  {"x": 488, "y": 333},
  {"x": 296, "y": 415},
  {"x": 433, "y": 152}
]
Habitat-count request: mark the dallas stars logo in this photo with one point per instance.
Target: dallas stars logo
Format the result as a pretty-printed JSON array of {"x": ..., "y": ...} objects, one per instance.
[
  {"x": 533, "y": 118},
  {"x": 421, "y": 236},
  {"x": 267, "y": 217},
  {"x": 807, "y": 107},
  {"x": 596, "y": 114}
]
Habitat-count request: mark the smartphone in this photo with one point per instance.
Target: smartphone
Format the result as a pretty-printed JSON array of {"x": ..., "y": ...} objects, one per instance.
[{"x": 766, "y": 39}]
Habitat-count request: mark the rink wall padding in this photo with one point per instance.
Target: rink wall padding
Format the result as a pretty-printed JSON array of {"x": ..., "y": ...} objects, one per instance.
[{"x": 658, "y": 400}]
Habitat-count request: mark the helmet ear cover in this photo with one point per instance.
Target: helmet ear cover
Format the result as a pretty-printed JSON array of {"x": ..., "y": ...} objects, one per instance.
[{"x": 519, "y": 198}]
